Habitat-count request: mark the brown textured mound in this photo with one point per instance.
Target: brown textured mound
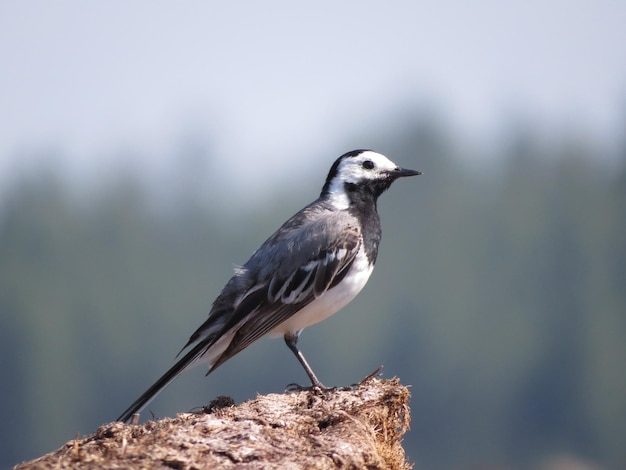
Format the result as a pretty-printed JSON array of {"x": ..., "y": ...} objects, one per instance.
[{"x": 358, "y": 428}]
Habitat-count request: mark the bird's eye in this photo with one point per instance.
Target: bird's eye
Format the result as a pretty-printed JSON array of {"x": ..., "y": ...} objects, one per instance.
[{"x": 368, "y": 165}]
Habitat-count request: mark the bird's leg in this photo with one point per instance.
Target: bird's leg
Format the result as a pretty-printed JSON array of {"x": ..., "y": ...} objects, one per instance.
[{"x": 291, "y": 339}]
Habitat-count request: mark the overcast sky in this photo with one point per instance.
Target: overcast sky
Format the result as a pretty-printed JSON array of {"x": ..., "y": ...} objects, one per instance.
[{"x": 265, "y": 79}]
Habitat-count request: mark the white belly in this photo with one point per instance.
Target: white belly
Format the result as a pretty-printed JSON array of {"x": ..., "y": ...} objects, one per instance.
[{"x": 331, "y": 301}]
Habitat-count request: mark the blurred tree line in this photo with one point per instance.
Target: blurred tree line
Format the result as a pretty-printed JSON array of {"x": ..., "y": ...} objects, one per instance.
[{"x": 499, "y": 296}]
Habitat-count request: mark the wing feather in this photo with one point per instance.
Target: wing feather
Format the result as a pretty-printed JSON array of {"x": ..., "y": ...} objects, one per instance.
[{"x": 283, "y": 296}]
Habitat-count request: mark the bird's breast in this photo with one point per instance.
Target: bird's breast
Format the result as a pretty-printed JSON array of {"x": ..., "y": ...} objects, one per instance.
[{"x": 332, "y": 300}]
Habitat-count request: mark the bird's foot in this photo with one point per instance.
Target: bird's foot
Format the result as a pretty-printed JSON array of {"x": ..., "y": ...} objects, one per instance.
[
  {"x": 321, "y": 389},
  {"x": 294, "y": 387},
  {"x": 318, "y": 389}
]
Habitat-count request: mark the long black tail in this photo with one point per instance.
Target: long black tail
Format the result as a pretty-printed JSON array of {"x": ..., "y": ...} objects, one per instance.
[{"x": 141, "y": 402}]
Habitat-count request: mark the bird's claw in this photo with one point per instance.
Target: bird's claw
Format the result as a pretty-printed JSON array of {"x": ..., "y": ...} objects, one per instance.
[
  {"x": 320, "y": 389},
  {"x": 317, "y": 389},
  {"x": 294, "y": 387}
]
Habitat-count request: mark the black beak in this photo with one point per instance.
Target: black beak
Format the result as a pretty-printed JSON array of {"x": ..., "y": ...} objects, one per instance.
[{"x": 401, "y": 172}]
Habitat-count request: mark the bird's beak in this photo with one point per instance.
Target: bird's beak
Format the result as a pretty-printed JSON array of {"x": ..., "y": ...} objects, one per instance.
[{"x": 401, "y": 172}]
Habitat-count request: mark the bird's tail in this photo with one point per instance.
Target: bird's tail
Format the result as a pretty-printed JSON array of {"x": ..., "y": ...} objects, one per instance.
[{"x": 149, "y": 395}]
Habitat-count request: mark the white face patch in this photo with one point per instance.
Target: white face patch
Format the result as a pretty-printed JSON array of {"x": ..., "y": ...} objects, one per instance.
[{"x": 365, "y": 166}]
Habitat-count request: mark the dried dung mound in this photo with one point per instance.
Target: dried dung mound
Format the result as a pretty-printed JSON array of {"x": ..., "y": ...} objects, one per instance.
[{"x": 358, "y": 428}]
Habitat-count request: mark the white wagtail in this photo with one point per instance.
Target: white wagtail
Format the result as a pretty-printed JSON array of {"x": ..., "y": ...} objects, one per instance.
[{"x": 310, "y": 268}]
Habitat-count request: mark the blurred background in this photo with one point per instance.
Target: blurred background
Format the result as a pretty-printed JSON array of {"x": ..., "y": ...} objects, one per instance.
[{"x": 148, "y": 147}]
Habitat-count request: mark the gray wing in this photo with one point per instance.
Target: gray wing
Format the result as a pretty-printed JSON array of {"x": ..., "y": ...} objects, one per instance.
[
  {"x": 308, "y": 255},
  {"x": 292, "y": 268}
]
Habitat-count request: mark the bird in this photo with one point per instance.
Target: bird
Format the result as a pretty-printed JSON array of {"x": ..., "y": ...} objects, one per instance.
[{"x": 309, "y": 269}]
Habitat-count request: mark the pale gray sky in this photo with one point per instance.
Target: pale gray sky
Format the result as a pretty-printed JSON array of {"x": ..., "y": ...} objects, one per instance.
[{"x": 265, "y": 79}]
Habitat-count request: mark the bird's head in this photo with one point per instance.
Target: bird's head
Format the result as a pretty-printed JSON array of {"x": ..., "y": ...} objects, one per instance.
[{"x": 363, "y": 171}]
